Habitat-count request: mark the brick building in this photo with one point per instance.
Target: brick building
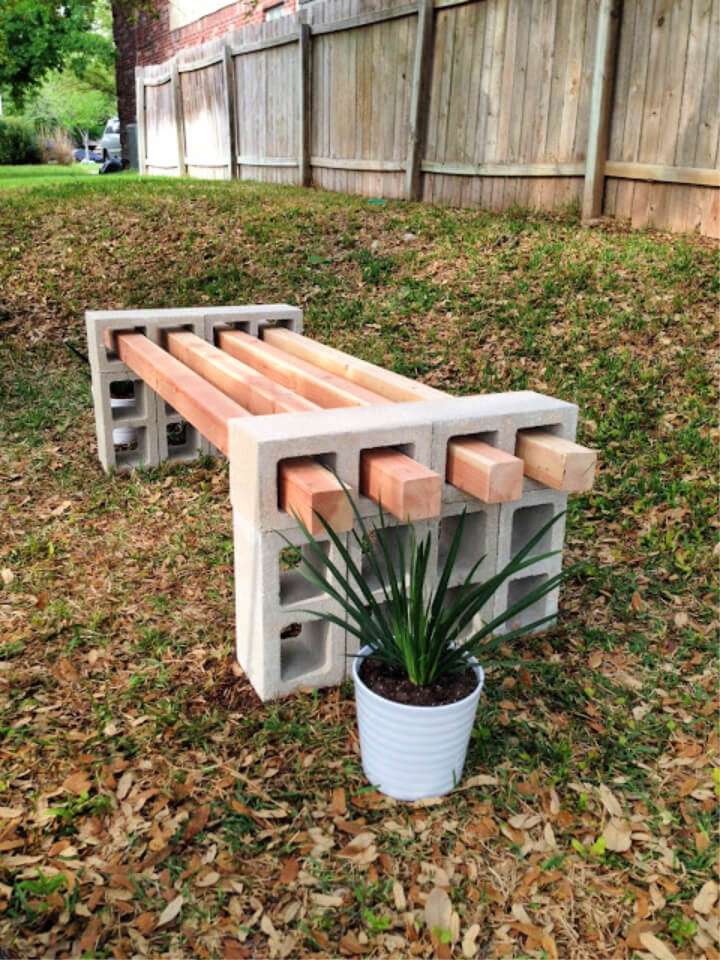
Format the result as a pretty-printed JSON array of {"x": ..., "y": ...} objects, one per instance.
[{"x": 177, "y": 24}]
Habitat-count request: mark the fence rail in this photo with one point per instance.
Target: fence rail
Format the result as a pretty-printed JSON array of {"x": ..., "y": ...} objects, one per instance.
[{"x": 544, "y": 103}]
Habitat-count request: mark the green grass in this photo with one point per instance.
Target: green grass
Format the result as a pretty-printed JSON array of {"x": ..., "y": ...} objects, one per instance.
[
  {"x": 117, "y": 617},
  {"x": 46, "y": 175}
]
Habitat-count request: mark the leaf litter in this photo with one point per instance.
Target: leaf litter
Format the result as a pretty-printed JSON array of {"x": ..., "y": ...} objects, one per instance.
[{"x": 150, "y": 805}]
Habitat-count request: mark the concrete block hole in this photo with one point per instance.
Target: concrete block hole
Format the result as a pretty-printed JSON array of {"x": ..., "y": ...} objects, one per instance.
[
  {"x": 527, "y": 521},
  {"x": 294, "y": 588},
  {"x": 517, "y": 589},
  {"x": 473, "y": 545},
  {"x": 303, "y": 649}
]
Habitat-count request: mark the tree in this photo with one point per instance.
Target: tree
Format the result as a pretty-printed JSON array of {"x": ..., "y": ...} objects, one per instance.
[
  {"x": 66, "y": 100},
  {"x": 36, "y": 36}
]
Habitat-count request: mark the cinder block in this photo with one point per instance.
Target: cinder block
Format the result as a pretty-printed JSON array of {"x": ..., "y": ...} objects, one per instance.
[
  {"x": 252, "y": 319},
  {"x": 178, "y": 440},
  {"x": 151, "y": 323},
  {"x": 281, "y": 643},
  {"x": 518, "y": 523},
  {"x": 141, "y": 417},
  {"x": 335, "y": 437},
  {"x": 494, "y": 418}
]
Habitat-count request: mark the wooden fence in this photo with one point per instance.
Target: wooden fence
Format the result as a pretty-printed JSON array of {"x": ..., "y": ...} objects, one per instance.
[{"x": 543, "y": 103}]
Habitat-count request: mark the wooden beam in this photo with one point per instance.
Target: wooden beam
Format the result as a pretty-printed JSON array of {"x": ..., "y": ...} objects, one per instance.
[
  {"x": 229, "y": 91},
  {"x": 304, "y": 486},
  {"x": 556, "y": 462},
  {"x": 406, "y": 488},
  {"x": 304, "y": 104},
  {"x": 354, "y": 163},
  {"x": 201, "y": 404},
  {"x": 364, "y": 19},
  {"x": 258, "y": 394},
  {"x": 140, "y": 118},
  {"x": 243, "y": 160},
  {"x": 485, "y": 472},
  {"x": 179, "y": 125},
  {"x": 600, "y": 107},
  {"x": 480, "y": 469},
  {"x": 503, "y": 169},
  {"x": 301, "y": 377},
  {"x": 661, "y": 173},
  {"x": 419, "y": 98},
  {"x": 389, "y": 385},
  {"x": 260, "y": 45}
]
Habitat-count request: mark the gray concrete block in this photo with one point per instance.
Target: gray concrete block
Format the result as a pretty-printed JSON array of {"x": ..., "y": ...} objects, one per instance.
[
  {"x": 251, "y": 319},
  {"x": 494, "y": 418},
  {"x": 336, "y": 437},
  {"x": 140, "y": 417}
]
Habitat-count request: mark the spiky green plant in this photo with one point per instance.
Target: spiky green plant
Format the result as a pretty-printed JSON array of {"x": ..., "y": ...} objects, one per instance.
[{"x": 412, "y": 628}]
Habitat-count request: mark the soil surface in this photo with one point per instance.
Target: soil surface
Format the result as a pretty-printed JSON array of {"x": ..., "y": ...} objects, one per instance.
[{"x": 395, "y": 686}]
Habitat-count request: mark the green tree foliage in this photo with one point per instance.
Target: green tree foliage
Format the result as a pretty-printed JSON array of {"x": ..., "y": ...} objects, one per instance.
[
  {"x": 63, "y": 99},
  {"x": 38, "y": 36}
]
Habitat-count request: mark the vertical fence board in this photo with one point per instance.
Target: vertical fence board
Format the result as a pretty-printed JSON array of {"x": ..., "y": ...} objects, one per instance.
[{"x": 468, "y": 107}]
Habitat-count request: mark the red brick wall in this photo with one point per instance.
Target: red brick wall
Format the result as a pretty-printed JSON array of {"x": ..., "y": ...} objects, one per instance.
[{"x": 157, "y": 43}]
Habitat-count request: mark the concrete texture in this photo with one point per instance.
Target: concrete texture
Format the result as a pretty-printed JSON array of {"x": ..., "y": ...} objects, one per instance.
[{"x": 282, "y": 643}]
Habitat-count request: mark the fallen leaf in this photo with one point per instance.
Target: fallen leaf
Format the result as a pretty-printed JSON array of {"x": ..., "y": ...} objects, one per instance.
[
  {"x": 524, "y": 821},
  {"x": 438, "y": 911},
  {"x": 170, "y": 911},
  {"x": 617, "y": 836},
  {"x": 144, "y": 922},
  {"x": 87, "y": 941},
  {"x": 632, "y": 937},
  {"x": 11, "y": 813},
  {"x": 208, "y": 879},
  {"x": 197, "y": 822},
  {"x": 7, "y": 576},
  {"x": 338, "y": 805},
  {"x": 78, "y": 782},
  {"x": 469, "y": 944},
  {"x": 351, "y": 946},
  {"x": 289, "y": 871},
  {"x": 610, "y": 801},
  {"x": 234, "y": 950},
  {"x": 705, "y": 900},
  {"x": 656, "y": 947},
  {"x": 124, "y": 784}
]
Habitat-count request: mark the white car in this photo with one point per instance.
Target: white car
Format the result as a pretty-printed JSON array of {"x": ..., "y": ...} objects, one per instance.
[{"x": 109, "y": 145}]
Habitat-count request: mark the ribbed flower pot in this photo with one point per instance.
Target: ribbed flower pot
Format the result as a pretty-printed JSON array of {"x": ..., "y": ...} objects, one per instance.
[{"x": 413, "y": 752}]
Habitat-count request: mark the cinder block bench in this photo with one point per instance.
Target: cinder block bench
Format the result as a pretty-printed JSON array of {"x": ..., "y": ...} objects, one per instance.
[{"x": 246, "y": 383}]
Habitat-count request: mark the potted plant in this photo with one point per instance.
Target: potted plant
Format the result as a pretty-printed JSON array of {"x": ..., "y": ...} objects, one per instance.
[{"x": 418, "y": 675}]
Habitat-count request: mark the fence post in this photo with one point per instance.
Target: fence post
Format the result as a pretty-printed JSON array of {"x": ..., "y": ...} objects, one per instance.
[
  {"x": 140, "y": 117},
  {"x": 229, "y": 75},
  {"x": 304, "y": 103},
  {"x": 601, "y": 107},
  {"x": 420, "y": 97},
  {"x": 177, "y": 96}
]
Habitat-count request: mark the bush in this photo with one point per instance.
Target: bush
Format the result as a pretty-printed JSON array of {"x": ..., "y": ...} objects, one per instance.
[
  {"x": 55, "y": 144},
  {"x": 18, "y": 143}
]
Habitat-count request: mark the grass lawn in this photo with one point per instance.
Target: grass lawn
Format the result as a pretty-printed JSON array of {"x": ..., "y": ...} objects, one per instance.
[
  {"x": 149, "y": 805},
  {"x": 45, "y": 174}
]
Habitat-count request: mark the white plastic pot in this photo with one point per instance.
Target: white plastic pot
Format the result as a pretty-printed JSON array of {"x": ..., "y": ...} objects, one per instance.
[
  {"x": 123, "y": 436},
  {"x": 413, "y": 752}
]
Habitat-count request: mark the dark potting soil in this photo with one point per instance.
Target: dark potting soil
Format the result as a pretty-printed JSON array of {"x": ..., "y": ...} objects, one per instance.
[{"x": 395, "y": 686}]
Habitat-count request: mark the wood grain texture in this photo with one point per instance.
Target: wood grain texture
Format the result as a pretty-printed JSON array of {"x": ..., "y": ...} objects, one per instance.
[
  {"x": 450, "y": 102},
  {"x": 199, "y": 402},
  {"x": 305, "y": 489},
  {"x": 485, "y": 472},
  {"x": 257, "y": 393},
  {"x": 556, "y": 462}
]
